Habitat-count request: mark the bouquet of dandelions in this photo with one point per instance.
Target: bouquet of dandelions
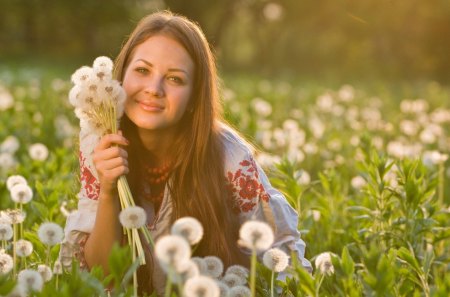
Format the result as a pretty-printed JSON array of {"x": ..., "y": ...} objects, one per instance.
[{"x": 99, "y": 104}]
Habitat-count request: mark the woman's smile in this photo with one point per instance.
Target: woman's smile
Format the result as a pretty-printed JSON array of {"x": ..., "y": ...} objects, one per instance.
[{"x": 152, "y": 107}]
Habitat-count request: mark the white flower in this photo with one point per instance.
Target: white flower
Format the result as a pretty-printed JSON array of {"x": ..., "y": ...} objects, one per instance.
[
  {"x": 10, "y": 145},
  {"x": 224, "y": 289},
  {"x": 74, "y": 95},
  {"x": 7, "y": 161},
  {"x": 276, "y": 260},
  {"x": 6, "y": 263},
  {"x": 239, "y": 270},
  {"x": 24, "y": 248},
  {"x": 50, "y": 233},
  {"x": 358, "y": 182},
  {"x": 201, "y": 264},
  {"x": 5, "y": 218},
  {"x": 214, "y": 266},
  {"x": 261, "y": 107},
  {"x": 256, "y": 235},
  {"x": 239, "y": 291},
  {"x": 189, "y": 228},
  {"x": 172, "y": 251},
  {"x": 31, "y": 280},
  {"x": 21, "y": 193},
  {"x": 133, "y": 217},
  {"x": 38, "y": 152},
  {"x": 187, "y": 270},
  {"x": 431, "y": 158},
  {"x": 6, "y": 231},
  {"x": 82, "y": 75},
  {"x": 302, "y": 177},
  {"x": 103, "y": 66},
  {"x": 18, "y": 291},
  {"x": 233, "y": 280},
  {"x": 272, "y": 11},
  {"x": 45, "y": 272},
  {"x": 6, "y": 99},
  {"x": 324, "y": 264},
  {"x": 16, "y": 215},
  {"x": 201, "y": 286},
  {"x": 57, "y": 267},
  {"x": 315, "y": 214},
  {"x": 15, "y": 180}
]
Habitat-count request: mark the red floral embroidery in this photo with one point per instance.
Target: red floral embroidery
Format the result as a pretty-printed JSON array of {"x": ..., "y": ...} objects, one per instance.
[
  {"x": 245, "y": 188},
  {"x": 88, "y": 181}
]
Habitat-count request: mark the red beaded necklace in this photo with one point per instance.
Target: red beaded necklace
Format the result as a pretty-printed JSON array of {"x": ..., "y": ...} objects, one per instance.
[{"x": 156, "y": 178}]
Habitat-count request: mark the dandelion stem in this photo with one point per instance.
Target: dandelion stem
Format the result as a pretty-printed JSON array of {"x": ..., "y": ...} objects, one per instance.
[
  {"x": 253, "y": 274},
  {"x": 134, "y": 259},
  {"x": 272, "y": 284},
  {"x": 14, "y": 250},
  {"x": 168, "y": 285},
  {"x": 47, "y": 261},
  {"x": 319, "y": 284},
  {"x": 441, "y": 184}
]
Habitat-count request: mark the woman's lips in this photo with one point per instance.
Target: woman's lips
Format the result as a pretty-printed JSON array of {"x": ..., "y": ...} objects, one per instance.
[{"x": 151, "y": 106}]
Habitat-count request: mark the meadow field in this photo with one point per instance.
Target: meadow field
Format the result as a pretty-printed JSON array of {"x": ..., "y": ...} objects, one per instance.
[{"x": 365, "y": 165}]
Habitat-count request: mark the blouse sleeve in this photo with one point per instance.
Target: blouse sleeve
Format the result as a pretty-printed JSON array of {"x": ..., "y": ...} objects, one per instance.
[
  {"x": 253, "y": 197},
  {"x": 80, "y": 222}
]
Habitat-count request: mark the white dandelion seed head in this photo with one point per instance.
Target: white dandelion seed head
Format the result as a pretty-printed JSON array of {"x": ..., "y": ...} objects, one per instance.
[
  {"x": 239, "y": 291},
  {"x": 276, "y": 259},
  {"x": 185, "y": 271},
  {"x": 75, "y": 96},
  {"x": 7, "y": 161},
  {"x": 239, "y": 270},
  {"x": 10, "y": 145},
  {"x": 201, "y": 264},
  {"x": 171, "y": 251},
  {"x": 133, "y": 217},
  {"x": 6, "y": 99},
  {"x": 82, "y": 75},
  {"x": 21, "y": 193},
  {"x": 45, "y": 271},
  {"x": 57, "y": 267},
  {"x": 256, "y": 235},
  {"x": 5, "y": 218},
  {"x": 15, "y": 180},
  {"x": 214, "y": 266},
  {"x": 17, "y": 216},
  {"x": 18, "y": 291},
  {"x": 189, "y": 228},
  {"x": 358, "y": 182},
  {"x": 31, "y": 280},
  {"x": 315, "y": 214},
  {"x": 6, "y": 231},
  {"x": 24, "y": 248},
  {"x": 6, "y": 263},
  {"x": 103, "y": 63},
  {"x": 261, "y": 107},
  {"x": 233, "y": 280},
  {"x": 224, "y": 289},
  {"x": 323, "y": 263},
  {"x": 38, "y": 152},
  {"x": 201, "y": 286},
  {"x": 50, "y": 233}
]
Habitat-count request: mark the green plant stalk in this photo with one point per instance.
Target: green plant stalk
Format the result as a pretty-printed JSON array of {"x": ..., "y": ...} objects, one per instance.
[
  {"x": 47, "y": 261},
  {"x": 14, "y": 251},
  {"x": 319, "y": 284},
  {"x": 253, "y": 274},
  {"x": 168, "y": 284},
  {"x": 272, "y": 294},
  {"x": 441, "y": 184},
  {"x": 135, "y": 284},
  {"x": 56, "y": 283}
]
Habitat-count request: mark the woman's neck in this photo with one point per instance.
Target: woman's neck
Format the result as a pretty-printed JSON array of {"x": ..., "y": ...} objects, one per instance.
[{"x": 158, "y": 143}]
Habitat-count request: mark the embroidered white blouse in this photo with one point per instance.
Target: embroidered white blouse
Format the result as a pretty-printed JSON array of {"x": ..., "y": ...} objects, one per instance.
[{"x": 252, "y": 194}]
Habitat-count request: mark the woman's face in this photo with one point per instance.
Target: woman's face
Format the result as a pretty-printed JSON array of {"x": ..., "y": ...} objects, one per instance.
[{"x": 158, "y": 82}]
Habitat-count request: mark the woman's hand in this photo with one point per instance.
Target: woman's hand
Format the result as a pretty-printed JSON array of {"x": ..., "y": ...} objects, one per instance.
[{"x": 111, "y": 161}]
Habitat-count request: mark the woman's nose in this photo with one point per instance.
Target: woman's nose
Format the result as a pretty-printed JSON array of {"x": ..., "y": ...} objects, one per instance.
[{"x": 154, "y": 86}]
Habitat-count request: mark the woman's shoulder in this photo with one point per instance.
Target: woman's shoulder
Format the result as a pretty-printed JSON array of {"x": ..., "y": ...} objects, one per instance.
[{"x": 236, "y": 147}]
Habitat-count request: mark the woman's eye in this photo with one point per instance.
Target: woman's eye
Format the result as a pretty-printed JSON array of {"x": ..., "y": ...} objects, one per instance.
[
  {"x": 142, "y": 70},
  {"x": 175, "y": 79}
]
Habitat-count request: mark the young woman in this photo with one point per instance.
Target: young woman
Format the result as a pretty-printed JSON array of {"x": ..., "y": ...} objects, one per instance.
[{"x": 179, "y": 156}]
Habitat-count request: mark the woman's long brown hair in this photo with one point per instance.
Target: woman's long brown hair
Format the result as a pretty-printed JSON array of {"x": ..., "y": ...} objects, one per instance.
[{"x": 198, "y": 186}]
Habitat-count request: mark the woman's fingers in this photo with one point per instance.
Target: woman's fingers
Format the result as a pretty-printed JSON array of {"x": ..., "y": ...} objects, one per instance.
[
  {"x": 108, "y": 140},
  {"x": 113, "y": 163}
]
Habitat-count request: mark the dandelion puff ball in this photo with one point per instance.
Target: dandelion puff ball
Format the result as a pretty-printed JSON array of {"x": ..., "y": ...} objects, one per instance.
[
  {"x": 18, "y": 291},
  {"x": 276, "y": 260},
  {"x": 31, "y": 280},
  {"x": 224, "y": 289},
  {"x": 15, "y": 180},
  {"x": 82, "y": 75},
  {"x": 6, "y": 232},
  {"x": 201, "y": 286},
  {"x": 239, "y": 291},
  {"x": 233, "y": 280},
  {"x": 324, "y": 264},
  {"x": 24, "y": 248},
  {"x": 103, "y": 63},
  {"x": 57, "y": 267},
  {"x": 133, "y": 217},
  {"x": 21, "y": 193},
  {"x": 189, "y": 228},
  {"x": 201, "y": 264},
  {"x": 50, "y": 233},
  {"x": 214, "y": 266},
  {"x": 186, "y": 271},
  {"x": 239, "y": 270},
  {"x": 6, "y": 263},
  {"x": 172, "y": 250},
  {"x": 16, "y": 215},
  {"x": 256, "y": 235},
  {"x": 46, "y": 272},
  {"x": 38, "y": 152}
]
